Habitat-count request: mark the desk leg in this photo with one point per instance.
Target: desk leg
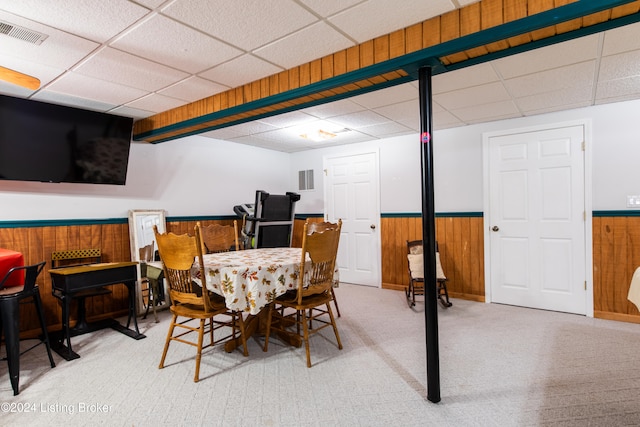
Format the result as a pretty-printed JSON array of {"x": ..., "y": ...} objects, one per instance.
[
  {"x": 58, "y": 339},
  {"x": 131, "y": 287}
]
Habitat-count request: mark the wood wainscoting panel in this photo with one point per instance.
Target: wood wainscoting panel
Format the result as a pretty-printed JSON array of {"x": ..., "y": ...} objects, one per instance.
[{"x": 616, "y": 255}]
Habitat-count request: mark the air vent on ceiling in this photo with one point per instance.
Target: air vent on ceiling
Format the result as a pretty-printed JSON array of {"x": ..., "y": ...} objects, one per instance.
[{"x": 22, "y": 33}]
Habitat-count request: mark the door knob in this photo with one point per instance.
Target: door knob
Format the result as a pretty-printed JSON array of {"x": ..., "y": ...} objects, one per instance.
[
  {"x": 495, "y": 228},
  {"x": 373, "y": 226}
]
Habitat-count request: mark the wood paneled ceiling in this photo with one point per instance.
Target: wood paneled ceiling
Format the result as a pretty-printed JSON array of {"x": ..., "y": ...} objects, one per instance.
[{"x": 473, "y": 34}]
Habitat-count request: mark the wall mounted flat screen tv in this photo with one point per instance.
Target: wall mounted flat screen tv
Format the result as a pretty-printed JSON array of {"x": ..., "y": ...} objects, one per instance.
[{"x": 54, "y": 143}]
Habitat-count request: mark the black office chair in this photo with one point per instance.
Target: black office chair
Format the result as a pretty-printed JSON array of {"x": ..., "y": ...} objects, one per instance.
[{"x": 10, "y": 300}]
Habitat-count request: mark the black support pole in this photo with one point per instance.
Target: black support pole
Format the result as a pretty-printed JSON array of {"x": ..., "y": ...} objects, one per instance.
[{"x": 429, "y": 237}]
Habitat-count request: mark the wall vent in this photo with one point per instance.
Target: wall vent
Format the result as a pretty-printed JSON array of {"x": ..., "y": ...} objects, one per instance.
[
  {"x": 305, "y": 179},
  {"x": 22, "y": 33}
]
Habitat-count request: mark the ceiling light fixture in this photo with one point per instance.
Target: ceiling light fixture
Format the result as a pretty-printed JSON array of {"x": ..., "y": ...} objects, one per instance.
[{"x": 318, "y": 135}]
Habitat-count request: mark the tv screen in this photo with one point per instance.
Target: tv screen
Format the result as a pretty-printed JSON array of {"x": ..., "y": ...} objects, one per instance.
[{"x": 53, "y": 143}]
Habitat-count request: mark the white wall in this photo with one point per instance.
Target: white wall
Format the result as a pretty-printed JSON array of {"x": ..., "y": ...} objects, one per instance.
[
  {"x": 200, "y": 176},
  {"x": 458, "y": 162},
  {"x": 188, "y": 177}
]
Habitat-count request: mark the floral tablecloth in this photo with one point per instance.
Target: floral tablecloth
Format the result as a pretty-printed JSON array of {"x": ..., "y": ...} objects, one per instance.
[{"x": 250, "y": 279}]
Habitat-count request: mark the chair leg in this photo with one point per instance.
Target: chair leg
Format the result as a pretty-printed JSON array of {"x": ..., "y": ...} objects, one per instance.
[
  {"x": 335, "y": 327},
  {"x": 196, "y": 377},
  {"x": 166, "y": 344},
  {"x": 335, "y": 301},
  {"x": 305, "y": 328},
  {"x": 43, "y": 326},
  {"x": 443, "y": 294},
  {"x": 10, "y": 323}
]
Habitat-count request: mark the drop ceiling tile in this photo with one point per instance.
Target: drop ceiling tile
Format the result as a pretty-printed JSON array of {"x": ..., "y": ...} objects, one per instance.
[
  {"x": 252, "y": 127},
  {"x": 123, "y": 68},
  {"x": 576, "y": 75},
  {"x": 620, "y": 88},
  {"x": 391, "y": 95},
  {"x": 294, "y": 118},
  {"x": 193, "y": 89},
  {"x": 327, "y": 8},
  {"x": 567, "y": 96},
  {"x": 554, "y": 108},
  {"x": 96, "y": 20},
  {"x": 166, "y": 41},
  {"x": 622, "y": 39},
  {"x": 226, "y": 20},
  {"x": 359, "y": 119},
  {"x": 444, "y": 119},
  {"x": 303, "y": 46},
  {"x": 131, "y": 112},
  {"x": 401, "y": 110},
  {"x": 549, "y": 57},
  {"x": 335, "y": 108},
  {"x": 59, "y": 50},
  {"x": 384, "y": 16},
  {"x": 620, "y": 66},
  {"x": 253, "y": 69},
  {"x": 80, "y": 86},
  {"x": 72, "y": 101},
  {"x": 156, "y": 103},
  {"x": 491, "y": 111},
  {"x": 44, "y": 73},
  {"x": 477, "y": 95},
  {"x": 465, "y": 77},
  {"x": 384, "y": 130}
]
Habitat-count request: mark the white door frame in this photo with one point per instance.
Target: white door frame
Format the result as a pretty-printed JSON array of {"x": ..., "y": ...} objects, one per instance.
[
  {"x": 586, "y": 124},
  {"x": 376, "y": 152}
]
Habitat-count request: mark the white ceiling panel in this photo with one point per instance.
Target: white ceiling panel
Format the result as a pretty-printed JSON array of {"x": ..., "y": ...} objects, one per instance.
[
  {"x": 80, "y": 86},
  {"x": 620, "y": 66},
  {"x": 306, "y": 45},
  {"x": 156, "y": 103},
  {"x": 246, "y": 24},
  {"x": 59, "y": 49},
  {"x": 327, "y": 8},
  {"x": 165, "y": 41},
  {"x": 253, "y": 69},
  {"x": 384, "y": 16},
  {"x": 192, "y": 88},
  {"x": 123, "y": 68},
  {"x": 576, "y": 75},
  {"x": 623, "y": 39},
  {"x": 96, "y": 20},
  {"x": 476, "y": 95},
  {"x": 554, "y": 56}
]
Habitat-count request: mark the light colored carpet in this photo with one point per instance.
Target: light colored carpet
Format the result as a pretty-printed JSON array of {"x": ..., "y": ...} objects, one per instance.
[{"x": 500, "y": 366}]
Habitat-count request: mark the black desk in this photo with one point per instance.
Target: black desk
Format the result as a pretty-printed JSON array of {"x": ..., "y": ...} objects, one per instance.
[{"x": 70, "y": 281}]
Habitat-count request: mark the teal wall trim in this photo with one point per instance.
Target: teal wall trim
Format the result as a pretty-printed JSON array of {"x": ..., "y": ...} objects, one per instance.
[
  {"x": 629, "y": 213},
  {"x": 76, "y": 222},
  {"x": 68, "y": 222}
]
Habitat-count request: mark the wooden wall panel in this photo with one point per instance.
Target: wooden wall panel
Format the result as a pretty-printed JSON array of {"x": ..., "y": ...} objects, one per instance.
[{"x": 616, "y": 255}]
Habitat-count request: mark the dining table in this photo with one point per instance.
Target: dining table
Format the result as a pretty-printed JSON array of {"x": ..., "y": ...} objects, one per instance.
[
  {"x": 8, "y": 260},
  {"x": 251, "y": 279}
]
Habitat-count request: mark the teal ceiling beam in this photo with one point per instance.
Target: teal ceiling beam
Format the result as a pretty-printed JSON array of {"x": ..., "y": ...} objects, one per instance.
[{"x": 411, "y": 62}]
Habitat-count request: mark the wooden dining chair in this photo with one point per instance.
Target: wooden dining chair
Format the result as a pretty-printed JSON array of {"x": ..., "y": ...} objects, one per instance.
[
  {"x": 416, "y": 275},
  {"x": 319, "y": 227},
  {"x": 220, "y": 238},
  {"x": 190, "y": 300},
  {"x": 313, "y": 294}
]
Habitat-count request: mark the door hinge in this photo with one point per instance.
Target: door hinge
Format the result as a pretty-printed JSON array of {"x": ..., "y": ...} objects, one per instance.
[
  {"x": 584, "y": 215},
  {"x": 584, "y": 145},
  {"x": 585, "y": 285}
]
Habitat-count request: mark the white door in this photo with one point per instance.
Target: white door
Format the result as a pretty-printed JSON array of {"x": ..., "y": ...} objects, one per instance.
[
  {"x": 352, "y": 194},
  {"x": 537, "y": 218}
]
